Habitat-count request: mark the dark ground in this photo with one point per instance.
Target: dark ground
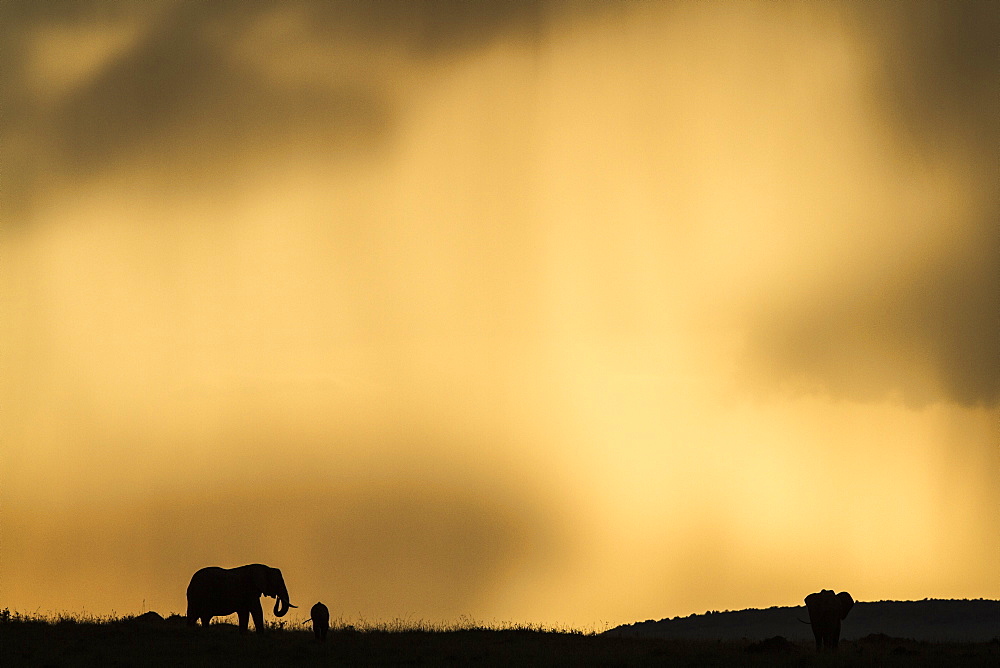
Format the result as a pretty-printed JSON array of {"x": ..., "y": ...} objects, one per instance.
[{"x": 171, "y": 643}]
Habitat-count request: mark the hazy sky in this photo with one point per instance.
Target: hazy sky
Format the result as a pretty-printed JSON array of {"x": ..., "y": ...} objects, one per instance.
[{"x": 562, "y": 312}]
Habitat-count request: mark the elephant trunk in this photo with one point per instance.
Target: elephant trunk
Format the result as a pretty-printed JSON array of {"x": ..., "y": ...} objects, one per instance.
[{"x": 281, "y": 606}]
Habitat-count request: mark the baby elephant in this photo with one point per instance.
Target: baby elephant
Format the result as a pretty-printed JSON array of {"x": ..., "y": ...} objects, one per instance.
[{"x": 321, "y": 621}]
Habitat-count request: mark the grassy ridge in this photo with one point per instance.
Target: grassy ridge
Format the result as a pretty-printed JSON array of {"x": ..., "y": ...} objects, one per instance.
[{"x": 66, "y": 641}]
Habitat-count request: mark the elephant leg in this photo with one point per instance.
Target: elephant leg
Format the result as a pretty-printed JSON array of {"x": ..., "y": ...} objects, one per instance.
[
  {"x": 205, "y": 619},
  {"x": 244, "y": 617},
  {"x": 818, "y": 635},
  {"x": 258, "y": 617},
  {"x": 833, "y": 639}
]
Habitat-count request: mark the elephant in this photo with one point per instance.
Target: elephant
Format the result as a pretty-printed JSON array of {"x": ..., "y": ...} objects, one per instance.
[
  {"x": 223, "y": 591},
  {"x": 826, "y": 610},
  {"x": 320, "y": 616}
]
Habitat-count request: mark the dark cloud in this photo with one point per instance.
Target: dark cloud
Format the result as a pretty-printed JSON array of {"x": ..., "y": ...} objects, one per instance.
[
  {"x": 177, "y": 82},
  {"x": 18, "y": 166},
  {"x": 431, "y": 548},
  {"x": 926, "y": 336},
  {"x": 937, "y": 86},
  {"x": 177, "y": 100},
  {"x": 27, "y": 130},
  {"x": 937, "y": 68},
  {"x": 434, "y": 548},
  {"x": 178, "y": 96},
  {"x": 427, "y": 546},
  {"x": 433, "y": 27},
  {"x": 874, "y": 341}
]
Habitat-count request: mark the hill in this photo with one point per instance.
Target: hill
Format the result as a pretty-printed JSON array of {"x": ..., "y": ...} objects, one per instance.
[{"x": 930, "y": 620}]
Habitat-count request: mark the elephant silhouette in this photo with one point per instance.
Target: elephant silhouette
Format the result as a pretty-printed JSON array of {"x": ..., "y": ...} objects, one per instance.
[
  {"x": 215, "y": 591},
  {"x": 320, "y": 616},
  {"x": 826, "y": 610}
]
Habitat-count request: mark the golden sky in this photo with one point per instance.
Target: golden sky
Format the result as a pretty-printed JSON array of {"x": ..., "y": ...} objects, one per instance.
[{"x": 561, "y": 312}]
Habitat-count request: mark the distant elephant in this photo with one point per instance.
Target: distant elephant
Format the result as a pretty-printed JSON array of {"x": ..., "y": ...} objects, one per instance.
[
  {"x": 218, "y": 591},
  {"x": 320, "y": 616},
  {"x": 826, "y": 610}
]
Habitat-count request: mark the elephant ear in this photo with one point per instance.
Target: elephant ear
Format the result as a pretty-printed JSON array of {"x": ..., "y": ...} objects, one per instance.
[
  {"x": 846, "y": 603},
  {"x": 258, "y": 575},
  {"x": 275, "y": 583},
  {"x": 812, "y": 599}
]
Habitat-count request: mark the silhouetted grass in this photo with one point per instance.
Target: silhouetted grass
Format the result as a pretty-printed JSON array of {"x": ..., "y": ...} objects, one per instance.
[{"x": 68, "y": 640}]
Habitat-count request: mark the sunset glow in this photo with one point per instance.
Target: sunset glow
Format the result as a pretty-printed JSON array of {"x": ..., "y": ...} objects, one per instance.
[{"x": 572, "y": 312}]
